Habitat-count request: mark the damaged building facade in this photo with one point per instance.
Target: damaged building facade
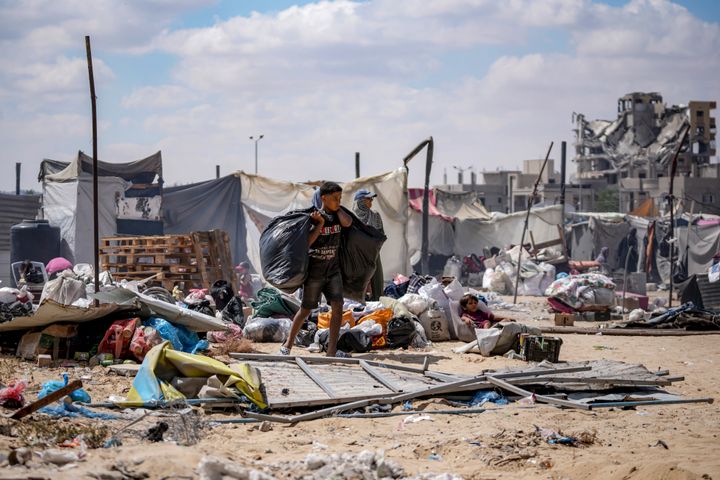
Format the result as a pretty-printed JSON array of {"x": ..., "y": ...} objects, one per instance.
[{"x": 633, "y": 154}]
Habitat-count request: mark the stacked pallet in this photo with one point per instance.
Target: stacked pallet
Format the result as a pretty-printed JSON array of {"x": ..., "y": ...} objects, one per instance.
[{"x": 194, "y": 260}]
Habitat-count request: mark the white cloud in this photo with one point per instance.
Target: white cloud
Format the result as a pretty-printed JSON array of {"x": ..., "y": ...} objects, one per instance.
[
  {"x": 324, "y": 80},
  {"x": 161, "y": 96}
]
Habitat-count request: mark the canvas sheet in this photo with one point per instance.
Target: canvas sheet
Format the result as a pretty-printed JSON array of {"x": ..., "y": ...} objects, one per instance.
[
  {"x": 581, "y": 242},
  {"x": 704, "y": 241},
  {"x": 162, "y": 363},
  {"x": 441, "y": 236},
  {"x": 608, "y": 234},
  {"x": 264, "y": 198},
  {"x": 204, "y": 206},
  {"x": 472, "y": 235},
  {"x": 69, "y": 205},
  {"x": 51, "y": 312},
  {"x": 146, "y": 170}
]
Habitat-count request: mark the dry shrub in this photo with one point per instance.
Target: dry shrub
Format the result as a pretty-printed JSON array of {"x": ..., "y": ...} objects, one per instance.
[{"x": 234, "y": 345}]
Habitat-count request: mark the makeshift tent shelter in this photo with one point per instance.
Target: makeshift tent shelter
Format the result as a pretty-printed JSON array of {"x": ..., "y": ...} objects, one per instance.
[
  {"x": 243, "y": 205},
  {"x": 128, "y": 193}
]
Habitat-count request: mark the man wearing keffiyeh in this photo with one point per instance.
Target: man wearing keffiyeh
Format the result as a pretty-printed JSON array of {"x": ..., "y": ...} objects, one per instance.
[{"x": 363, "y": 211}]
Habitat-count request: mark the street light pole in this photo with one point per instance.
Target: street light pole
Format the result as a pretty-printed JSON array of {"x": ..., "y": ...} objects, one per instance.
[{"x": 256, "y": 139}]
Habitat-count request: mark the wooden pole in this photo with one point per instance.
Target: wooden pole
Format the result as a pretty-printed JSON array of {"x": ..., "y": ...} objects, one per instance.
[
  {"x": 96, "y": 231},
  {"x": 357, "y": 164},
  {"x": 531, "y": 201},
  {"x": 424, "y": 249},
  {"x": 671, "y": 205}
]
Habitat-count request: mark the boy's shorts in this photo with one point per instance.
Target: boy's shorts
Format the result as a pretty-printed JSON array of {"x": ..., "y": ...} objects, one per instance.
[{"x": 330, "y": 286}]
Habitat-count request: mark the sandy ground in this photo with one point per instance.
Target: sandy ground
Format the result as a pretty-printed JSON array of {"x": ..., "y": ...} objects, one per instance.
[{"x": 498, "y": 443}]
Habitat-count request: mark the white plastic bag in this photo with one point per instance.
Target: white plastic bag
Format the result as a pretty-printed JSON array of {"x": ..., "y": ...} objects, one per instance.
[
  {"x": 487, "y": 278},
  {"x": 267, "y": 329},
  {"x": 414, "y": 302},
  {"x": 454, "y": 290},
  {"x": 435, "y": 324}
]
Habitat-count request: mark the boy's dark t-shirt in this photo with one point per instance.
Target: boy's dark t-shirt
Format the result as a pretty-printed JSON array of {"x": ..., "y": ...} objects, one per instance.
[{"x": 323, "y": 253}]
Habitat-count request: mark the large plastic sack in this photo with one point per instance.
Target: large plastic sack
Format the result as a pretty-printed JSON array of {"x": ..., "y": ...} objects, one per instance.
[
  {"x": 267, "y": 329},
  {"x": 499, "y": 341},
  {"x": 597, "y": 296},
  {"x": 65, "y": 289},
  {"x": 531, "y": 286},
  {"x": 179, "y": 336},
  {"x": 454, "y": 290},
  {"x": 381, "y": 317},
  {"x": 359, "y": 248},
  {"x": 420, "y": 339},
  {"x": 324, "y": 319},
  {"x": 415, "y": 303},
  {"x": 435, "y": 324},
  {"x": 499, "y": 281},
  {"x": 457, "y": 328},
  {"x": 51, "y": 386},
  {"x": 284, "y": 250},
  {"x": 453, "y": 268},
  {"x": 400, "y": 332},
  {"x": 271, "y": 302}
]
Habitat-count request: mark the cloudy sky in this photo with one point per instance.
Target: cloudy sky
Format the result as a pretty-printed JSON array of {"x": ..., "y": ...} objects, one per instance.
[{"x": 493, "y": 81}]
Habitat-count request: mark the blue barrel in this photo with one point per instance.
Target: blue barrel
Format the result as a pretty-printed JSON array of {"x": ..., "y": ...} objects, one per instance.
[{"x": 34, "y": 240}]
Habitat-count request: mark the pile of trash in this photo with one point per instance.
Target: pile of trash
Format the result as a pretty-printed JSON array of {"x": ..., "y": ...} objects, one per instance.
[{"x": 15, "y": 303}]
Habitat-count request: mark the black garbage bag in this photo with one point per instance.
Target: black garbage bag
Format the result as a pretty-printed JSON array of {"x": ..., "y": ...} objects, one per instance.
[
  {"x": 306, "y": 336},
  {"x": 354, "y": 340},
  {"x": 222, "y": 292},
  {"x": 359, "y": 248},
  {"x": 400, "y": 332},
  {"x": 349, "y": 341},
  {"x": 284, "y": 250},
  {"x": 233, "y": 311},
  {"x": 203, "y": 306}
]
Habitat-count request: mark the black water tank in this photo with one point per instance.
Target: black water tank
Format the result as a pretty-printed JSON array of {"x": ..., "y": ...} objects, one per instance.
[{"x": 34, "y": 240}]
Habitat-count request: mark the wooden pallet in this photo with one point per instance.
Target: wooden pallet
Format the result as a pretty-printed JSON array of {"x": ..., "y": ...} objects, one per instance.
[{"x": 195, "y": 260}]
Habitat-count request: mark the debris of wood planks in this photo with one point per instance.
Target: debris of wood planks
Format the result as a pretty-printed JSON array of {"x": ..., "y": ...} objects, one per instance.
[
  {"x": 629, "y": 332},
  {"x": 46, "y": 400},
  {"x": 197, "y": 259}
]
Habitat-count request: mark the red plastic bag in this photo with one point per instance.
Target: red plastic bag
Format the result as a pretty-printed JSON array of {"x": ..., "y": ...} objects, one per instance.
[
  {"x": 11, "y": 396},
  {"x": 118, "y": 337}
]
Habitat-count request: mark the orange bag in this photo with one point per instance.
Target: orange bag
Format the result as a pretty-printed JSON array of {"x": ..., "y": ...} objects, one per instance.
[
  {"x": 324, "y": 319},
  {"x": 382, "y": 317}
]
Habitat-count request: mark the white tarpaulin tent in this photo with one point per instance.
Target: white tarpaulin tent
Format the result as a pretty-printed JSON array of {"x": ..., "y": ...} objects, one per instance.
[
  {"x": 471, "y": 235},
  {"x": 264, "y": 198}
]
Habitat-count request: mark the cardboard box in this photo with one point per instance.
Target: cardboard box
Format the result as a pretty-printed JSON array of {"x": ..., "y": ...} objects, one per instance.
[{"x": 565, "y": 319}]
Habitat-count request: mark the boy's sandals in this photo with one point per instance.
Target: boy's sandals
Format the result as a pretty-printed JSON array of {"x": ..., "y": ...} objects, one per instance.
[{"x": 284, "y": 351}]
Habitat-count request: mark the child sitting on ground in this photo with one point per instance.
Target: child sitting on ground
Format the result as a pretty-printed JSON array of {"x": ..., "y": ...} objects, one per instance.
[{"x": 475, "y": 315}]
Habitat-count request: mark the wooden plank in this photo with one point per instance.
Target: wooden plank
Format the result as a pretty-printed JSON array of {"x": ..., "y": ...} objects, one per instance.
[
  {"x": 46, "y": 400},
  {"x": 629, "y": 332},
  {"x": 540, "y": 398},
  {"x": 377, "y": 376},
  {"x": 315, "y": 377},
  {"x": 639, "y": 403}
]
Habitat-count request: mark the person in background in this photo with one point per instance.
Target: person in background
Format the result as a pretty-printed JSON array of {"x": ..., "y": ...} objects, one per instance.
[
  {"x": 475, "y": 315},
  {"x": 363, "y": 210},
  {"x": 602, "y": 261},
  {"x": 245, "y": 288},
  {"x": 629, "y": 248}
]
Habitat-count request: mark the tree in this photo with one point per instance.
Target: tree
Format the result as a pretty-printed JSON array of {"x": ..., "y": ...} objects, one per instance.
[{"x": 607, "y": 200}]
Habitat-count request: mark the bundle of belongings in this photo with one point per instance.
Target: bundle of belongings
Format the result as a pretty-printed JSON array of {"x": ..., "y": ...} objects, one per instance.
[
  {"x": 15, "y": 303},
  {"x": 587, "y": 291},
  {"x": 687, "y": 316},
  {"x": 501, "y": 274}
]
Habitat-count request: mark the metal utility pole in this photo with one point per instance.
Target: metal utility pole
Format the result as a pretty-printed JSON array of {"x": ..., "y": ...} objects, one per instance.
[
  {"x": 96, "y": 232},
  {"x": 357, "y": 164},
  {"x": 671, "y": 206},
  {"x": 425, "y": 260},
  {"x": 531, "y": 201},
  {"x": 563, "y": 166},
  {"x": 18, "y": 165},
  {"x": 256, "y": 139},
  {"x": 217, "y": 171}
]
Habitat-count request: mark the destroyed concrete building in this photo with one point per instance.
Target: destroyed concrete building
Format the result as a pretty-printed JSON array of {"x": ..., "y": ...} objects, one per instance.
[{"x": 633, "y": 154}]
